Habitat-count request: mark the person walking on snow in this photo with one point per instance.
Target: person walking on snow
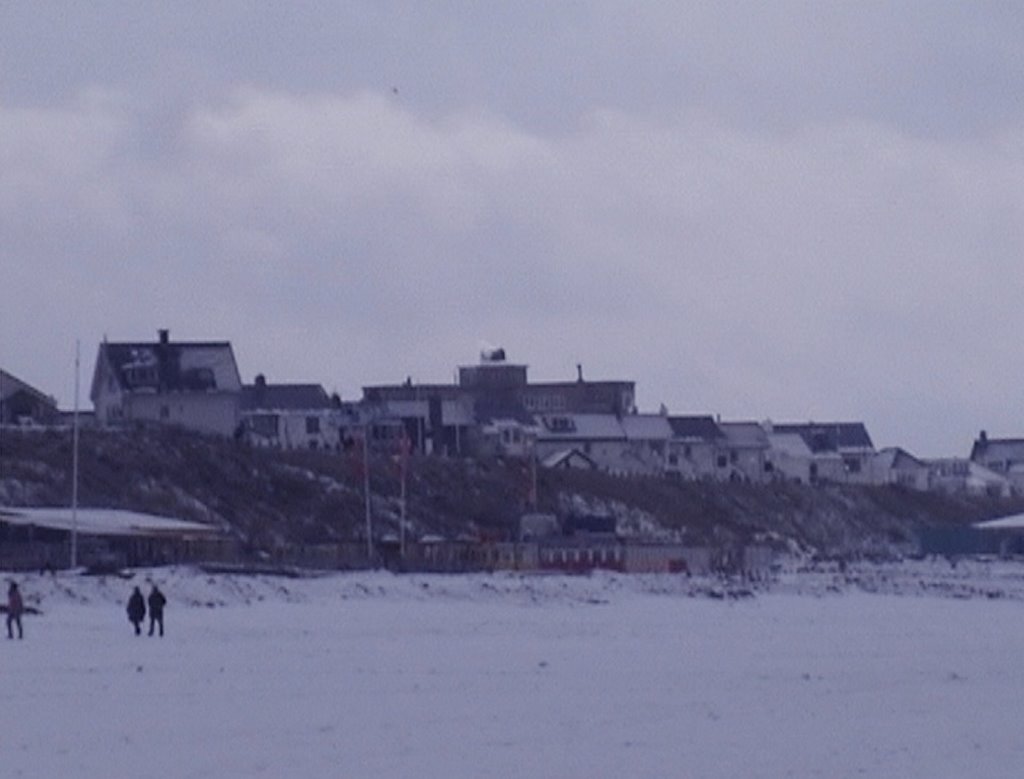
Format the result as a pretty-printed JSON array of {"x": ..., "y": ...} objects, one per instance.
[
  {"x": 136, "y": 610},
  {"x": 157, "y": 601},
  {"x": 15, "y": 607}
]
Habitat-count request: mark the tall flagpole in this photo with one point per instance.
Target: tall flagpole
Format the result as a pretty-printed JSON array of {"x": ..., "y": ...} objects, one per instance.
[
  {"x": 404, "y": 464},
  {"x": 366, "y": 492},
  {"x": 74, "y": 466}
]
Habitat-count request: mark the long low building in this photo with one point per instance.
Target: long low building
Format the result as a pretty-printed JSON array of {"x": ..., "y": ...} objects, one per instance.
[{"x": 41, "y": 538}]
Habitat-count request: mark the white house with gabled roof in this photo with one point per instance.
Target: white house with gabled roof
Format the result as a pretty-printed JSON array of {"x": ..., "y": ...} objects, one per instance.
[{"x": 195, "y": 385}]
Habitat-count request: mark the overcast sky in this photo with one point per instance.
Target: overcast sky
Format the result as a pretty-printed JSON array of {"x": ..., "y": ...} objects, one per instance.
[{"x": 786, "y": 210}]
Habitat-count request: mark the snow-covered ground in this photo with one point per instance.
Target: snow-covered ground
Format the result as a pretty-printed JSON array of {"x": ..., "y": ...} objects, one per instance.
[{"x": 910, "y": 670}]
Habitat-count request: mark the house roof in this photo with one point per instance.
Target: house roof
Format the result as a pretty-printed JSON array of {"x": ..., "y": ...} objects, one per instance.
[
  {"x": 580, "y": 427},
  {"x": 10, "y": 384},
  {"x": 695, "y": 427},
  {"x": 495, "y": 424},
  {"x": 284, "y": 397},
  {"x": 791, "y": 444},
  {"x": 568, "y": 458},
  {"x": 830, "y": 436},
  {"x": 894, "y": 457},
  {"x": 168, "y": 366},
  {"x": 749, "y": 435},
  {"x": 492, "y": 416},
  {"x": 1008, "y": 449},
  {"x": 646, "y": 427},
  {"x": 1014, "y": 522}
]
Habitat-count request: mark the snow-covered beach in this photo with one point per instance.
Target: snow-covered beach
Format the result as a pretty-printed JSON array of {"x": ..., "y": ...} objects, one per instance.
[{"x": 908, "y": 670}]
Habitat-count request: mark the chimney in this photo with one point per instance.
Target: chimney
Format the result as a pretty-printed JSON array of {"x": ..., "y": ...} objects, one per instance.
[
  {"x": 579, "y": 372},
  {"x": 163, "y": 360}
]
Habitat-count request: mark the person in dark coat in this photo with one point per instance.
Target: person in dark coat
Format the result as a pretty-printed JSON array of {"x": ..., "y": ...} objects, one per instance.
[
  {"x": 136, "y": 610},
  {"x": 156, "y": 610},
  {"x": 15, "y": 608}
]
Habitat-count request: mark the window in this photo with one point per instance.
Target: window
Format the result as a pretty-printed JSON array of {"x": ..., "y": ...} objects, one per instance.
[
  {"x": 165, "y": 412},
  {"x": 722, "y": 461},
  {"x": 140, "y": 375},
  {"x": 312, "y": 425}
]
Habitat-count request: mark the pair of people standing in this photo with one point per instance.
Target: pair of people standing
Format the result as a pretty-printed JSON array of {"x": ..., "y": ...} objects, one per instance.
[{"x": 137, "y": 610}]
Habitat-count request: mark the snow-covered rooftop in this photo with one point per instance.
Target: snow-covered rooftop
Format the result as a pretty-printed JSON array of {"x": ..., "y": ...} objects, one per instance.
[
  {"x": 104, "y": 522},
  {"x": 1014, "y": 522}
]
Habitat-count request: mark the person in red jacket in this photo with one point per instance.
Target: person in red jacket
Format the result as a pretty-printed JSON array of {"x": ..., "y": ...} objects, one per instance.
[{"x": 15, "y": 607}]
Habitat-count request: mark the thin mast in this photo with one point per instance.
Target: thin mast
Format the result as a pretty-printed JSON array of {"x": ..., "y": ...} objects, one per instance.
[{"x": 74, "y": 466}]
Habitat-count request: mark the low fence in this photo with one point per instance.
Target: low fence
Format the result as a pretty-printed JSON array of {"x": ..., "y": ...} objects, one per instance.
[{"x": 572, "y": 555}]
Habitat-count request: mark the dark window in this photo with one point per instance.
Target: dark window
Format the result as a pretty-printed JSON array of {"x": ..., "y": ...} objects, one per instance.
[
  {"x": 264, "y": 425},
  {"x": 312, "y": 425}
]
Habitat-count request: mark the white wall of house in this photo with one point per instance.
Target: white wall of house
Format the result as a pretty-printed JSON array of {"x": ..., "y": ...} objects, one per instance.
[
  {"x": 885, "y": 468},
  {"x": 788, "y": 466},
  {"x": 958, "y": 475},
  {"x": 828, "y": 467},
  {"x": 294, "y": 429},
  {"x": 691, "y": 460},
  {"x": 743, "y": 463},
  {"x": 207, "y": 412},
  {"x": 508, "y": 438},
  {"x": 858, "y": 466},
  {"x": 108, "y": 400},
  {"x": 606, "y": 455}
]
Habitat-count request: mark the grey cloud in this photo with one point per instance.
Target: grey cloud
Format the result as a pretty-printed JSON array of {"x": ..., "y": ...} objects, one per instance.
[{"x": 785, "y": 210}]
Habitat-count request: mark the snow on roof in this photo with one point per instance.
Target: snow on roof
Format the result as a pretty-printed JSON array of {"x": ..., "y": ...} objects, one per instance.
[
  {"x": 745, "y": 434},
  {"x": 190, "y": 366},
  {"x": 565, "y": 458},
  {"x": 280, "y": 397},
  {"x": 831, "y": 436},
  {"x": 646, "y": 427},
  {"x": 695, "y": 427},
  {"x": 792, "y": 444},
  {"x": 581, "y": 427},
  {"x": 1014, "y": 522},
  {"x": 104, "y": 522}
]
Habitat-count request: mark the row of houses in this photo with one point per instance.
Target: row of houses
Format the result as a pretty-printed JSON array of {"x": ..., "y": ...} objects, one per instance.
[{"x": 493, "y": 409}]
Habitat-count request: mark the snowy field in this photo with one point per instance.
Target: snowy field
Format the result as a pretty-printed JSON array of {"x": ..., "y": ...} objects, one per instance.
[{"x": 898, "y": 671}]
